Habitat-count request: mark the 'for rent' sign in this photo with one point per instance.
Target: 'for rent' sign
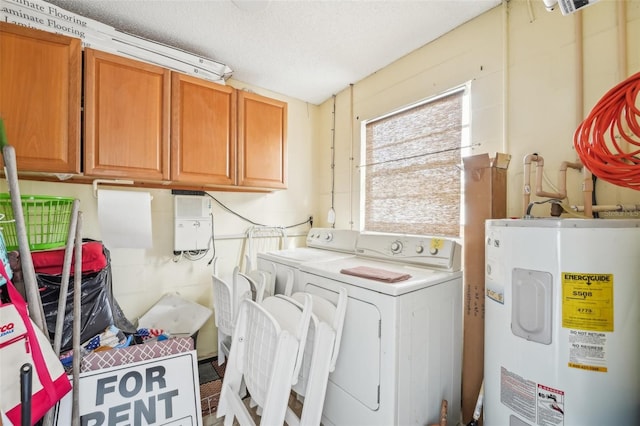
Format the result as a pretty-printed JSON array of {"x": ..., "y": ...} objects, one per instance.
[{"x": 161, "y": 391}]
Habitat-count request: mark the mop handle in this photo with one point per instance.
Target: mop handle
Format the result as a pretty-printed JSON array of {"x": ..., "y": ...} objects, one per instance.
[{"x": 478, "y": 410}]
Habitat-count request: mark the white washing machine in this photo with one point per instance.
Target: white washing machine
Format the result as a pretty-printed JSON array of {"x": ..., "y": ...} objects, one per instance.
[
  {"x": 401, "y": 349},
  {"x": 562, "y": 322},
  {"x": 322, "y": 244}
]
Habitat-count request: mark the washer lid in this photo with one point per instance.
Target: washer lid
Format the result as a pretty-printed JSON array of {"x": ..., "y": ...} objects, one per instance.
[
  {"x": 296, "y": 256},
  {"x": 419, "y": 277}
]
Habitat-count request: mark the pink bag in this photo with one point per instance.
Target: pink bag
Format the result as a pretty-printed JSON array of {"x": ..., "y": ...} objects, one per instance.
[{"x": 21, "y": 342}]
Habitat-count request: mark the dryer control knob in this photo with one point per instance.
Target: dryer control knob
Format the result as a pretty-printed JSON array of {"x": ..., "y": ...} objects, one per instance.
[
  {"x": 419, "y": 249},
  {"x": 433, "y": 251},
  {"x": 328, "y": 237},
  {"x": 396, "y": 247}
]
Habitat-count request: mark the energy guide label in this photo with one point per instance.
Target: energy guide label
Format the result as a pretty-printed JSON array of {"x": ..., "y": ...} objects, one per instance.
[{"x": 587, "y": 301}]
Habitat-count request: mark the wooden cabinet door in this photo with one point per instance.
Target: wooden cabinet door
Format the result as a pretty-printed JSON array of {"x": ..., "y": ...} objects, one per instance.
[
  {"x": 203, "y": 131},
  {"x": 127, "y": 114},
  {"x": 262, "y": 141},
  {"x": 40, "y": 81}
]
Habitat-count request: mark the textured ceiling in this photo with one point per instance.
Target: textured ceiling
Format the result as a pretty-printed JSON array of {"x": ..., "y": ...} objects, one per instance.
[{"x": 305, "y": 49}]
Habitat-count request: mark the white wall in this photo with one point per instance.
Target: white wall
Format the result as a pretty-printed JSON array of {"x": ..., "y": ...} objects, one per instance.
[{"x": 522, "y": 67}]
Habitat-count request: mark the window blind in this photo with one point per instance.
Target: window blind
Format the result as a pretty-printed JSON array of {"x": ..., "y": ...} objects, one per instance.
[{"x": 412, "y": 174}]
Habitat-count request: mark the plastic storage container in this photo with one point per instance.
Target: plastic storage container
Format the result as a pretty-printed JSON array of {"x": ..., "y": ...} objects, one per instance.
[{"x": 46, "y": 220}]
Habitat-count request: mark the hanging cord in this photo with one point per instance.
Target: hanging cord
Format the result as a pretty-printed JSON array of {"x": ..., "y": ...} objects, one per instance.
[
  {"x": 565, "y": 207},
  {"x": 227, "y": 209},
  {"x": 199, "y": 254},
  {"x": 309, "y": 220},
  {"x": 594, "y": 199},
  {"x": 615, "y": 117},
  {"x": 424, "y": 154},
  {"x": 530, "y": 206}
]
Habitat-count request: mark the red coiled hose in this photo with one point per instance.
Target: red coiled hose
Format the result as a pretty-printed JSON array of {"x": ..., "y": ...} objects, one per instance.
[{"x": 608, "y": 140}]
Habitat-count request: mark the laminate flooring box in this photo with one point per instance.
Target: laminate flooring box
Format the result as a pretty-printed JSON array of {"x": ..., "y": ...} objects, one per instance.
[
  {"x": 43, "y": 16},
  {"x": 485, "y": 181}
]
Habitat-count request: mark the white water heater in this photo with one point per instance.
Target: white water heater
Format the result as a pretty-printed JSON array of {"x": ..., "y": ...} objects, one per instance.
[{"x": 562, "y": 322}]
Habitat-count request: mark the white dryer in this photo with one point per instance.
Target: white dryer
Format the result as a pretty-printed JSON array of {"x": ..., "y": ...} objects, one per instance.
[
  {"x": 401, "y": 349},
  {"x": 323, "y": 244}
]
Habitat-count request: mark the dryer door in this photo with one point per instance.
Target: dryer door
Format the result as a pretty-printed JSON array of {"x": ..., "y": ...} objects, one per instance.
[{"x": 358, "y": 366}]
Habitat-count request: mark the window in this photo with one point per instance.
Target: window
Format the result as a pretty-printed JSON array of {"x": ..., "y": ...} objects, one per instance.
[{"x": 411, "y": 171}]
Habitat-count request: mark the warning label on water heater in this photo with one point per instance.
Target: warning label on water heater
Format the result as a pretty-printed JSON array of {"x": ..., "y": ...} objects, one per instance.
[
  {"x": 587, "y": 301},
  {"x": 588, "y": 350},
  {"x": 550, "y": 406}
]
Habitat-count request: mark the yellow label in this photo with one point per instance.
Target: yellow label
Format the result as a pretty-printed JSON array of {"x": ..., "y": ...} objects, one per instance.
[
  {"x": 587, "y": 301},
  {"x": 498, "y": 297},
  {"x": 588, "y": 367},
  {"x": 437, "y": 243}
]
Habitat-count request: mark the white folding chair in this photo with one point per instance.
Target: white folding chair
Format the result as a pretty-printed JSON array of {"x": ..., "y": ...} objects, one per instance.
[
  {"x": 265, "y": 353},
  {"x": 332, "y": 314},
  {"x": 314, "y": 372},
  {"x": 267, "y": 276},
  {"x": 224, "y": 313},
  {"x": 254, "y": 282},
  {"x": 288, "y": 286},
  {"x": 226, "y": 303},
  {"x": 319, "y": 357}
]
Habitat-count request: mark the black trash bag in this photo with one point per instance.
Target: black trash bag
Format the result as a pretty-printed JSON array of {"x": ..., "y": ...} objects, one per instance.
[{"x": 99, "y": 309}]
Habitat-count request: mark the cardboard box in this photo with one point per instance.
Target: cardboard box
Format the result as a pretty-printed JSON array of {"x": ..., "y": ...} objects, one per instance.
[
  {"x": 114, "y": 357},
  {"x": 485, "y": 198},
  {"x": 46, "y": 17}
]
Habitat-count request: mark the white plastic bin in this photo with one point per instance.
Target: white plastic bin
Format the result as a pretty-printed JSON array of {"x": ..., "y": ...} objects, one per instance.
[{"x": 176, "y": 316}]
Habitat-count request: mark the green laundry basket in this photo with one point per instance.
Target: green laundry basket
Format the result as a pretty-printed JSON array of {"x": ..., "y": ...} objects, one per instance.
[{"x": 46, "y": 220}]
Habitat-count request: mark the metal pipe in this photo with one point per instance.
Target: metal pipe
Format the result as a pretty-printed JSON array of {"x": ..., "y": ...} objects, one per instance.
[
  {"x": 562, "y": 179},
  {"x": 526, "y": 189},
  {"x": 587, "y": 191},
  {"x": 505, "y": 76},
  {"x": 36, "y": 311},
  {"x": 621, "y": 26},
  {"x": 351, "y": 159},
  {"x": 25, "y": 393},
  {"x": 77, "y": 319},
  {"x": 66, "y": 272},
  {"x": 587, "y": 180},
  {"x": 610, "y": 208},
  {"x": 562, "y": 175},
  {"x": 539, "y": 173},
  {"x": 621, "y": 15}
]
